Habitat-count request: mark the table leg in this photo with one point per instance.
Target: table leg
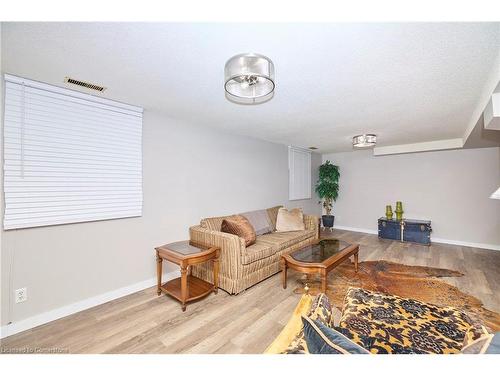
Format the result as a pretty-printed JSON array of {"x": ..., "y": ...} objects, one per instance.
[
  {"x": 323, "y": 281},
  {"x": 184, "y": 287},
  {"x": 283, "y": 273},
  {"x": 216, "y": 275},
  {"x": 356, "y": 261},
  {"x": 159, "y": 261}
]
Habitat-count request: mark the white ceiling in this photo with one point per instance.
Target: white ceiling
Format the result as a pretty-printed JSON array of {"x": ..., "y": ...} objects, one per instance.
[{"x": 407, "y": 83}]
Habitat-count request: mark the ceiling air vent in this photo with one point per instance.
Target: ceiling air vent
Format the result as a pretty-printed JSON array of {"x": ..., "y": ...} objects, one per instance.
[{"x": 87, "y": 85}]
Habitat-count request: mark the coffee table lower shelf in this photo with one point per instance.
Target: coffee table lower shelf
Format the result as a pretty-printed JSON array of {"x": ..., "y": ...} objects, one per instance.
[{"x": 197, "y": 288}]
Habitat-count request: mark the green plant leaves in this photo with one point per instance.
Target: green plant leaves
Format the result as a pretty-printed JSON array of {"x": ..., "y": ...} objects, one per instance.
[{"x": 327, "y": 186}]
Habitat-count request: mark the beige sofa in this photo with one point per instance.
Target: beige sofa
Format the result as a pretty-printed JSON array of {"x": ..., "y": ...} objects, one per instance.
[{"x": 241, "y": 266}]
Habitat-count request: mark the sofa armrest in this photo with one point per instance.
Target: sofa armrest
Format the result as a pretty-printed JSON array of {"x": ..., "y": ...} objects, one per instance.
[
  {"x": 312, "y": 222},
  {"x": 231, "y": 247}
]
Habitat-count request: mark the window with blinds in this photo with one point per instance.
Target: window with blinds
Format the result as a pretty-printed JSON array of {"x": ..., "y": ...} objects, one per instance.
[
  {"x": 299, "y": 172},
  {"x": 68, "y": 156}
]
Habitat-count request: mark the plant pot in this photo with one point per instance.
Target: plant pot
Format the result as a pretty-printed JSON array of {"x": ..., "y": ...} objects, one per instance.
[{"x": 328, "y": 220}]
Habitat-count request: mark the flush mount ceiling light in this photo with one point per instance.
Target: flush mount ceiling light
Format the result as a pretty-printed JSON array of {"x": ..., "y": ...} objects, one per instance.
[
  {"x": 249, "y": 78},
  {"x": 364, "y": 140}
]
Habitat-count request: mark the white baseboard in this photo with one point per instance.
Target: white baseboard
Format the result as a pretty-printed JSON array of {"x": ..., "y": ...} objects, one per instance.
[
  {"x": 433, "y": 239},
  {"x": 61, "y": 312},
  {"x": 468, "y": 244}
]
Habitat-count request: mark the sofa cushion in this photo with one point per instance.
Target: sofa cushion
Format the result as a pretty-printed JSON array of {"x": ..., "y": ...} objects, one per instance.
[
  {"x": 240, "y": 226},
  {"x": 269, "y": 244},
  {"x": 257, "y": 251},
  {"x": 260, "y": 221},
  {"x": 290, "y": 220},
  {"x": 283, "y": 240}
]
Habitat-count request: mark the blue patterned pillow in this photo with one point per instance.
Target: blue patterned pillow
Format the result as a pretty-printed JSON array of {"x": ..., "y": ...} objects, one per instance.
[
  {"x": 494, "y": 346},
  {"x": 322, "y": 339}
]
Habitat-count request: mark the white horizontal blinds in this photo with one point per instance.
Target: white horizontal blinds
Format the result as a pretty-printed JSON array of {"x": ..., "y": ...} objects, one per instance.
[
  {"x": 299, "y": 162},
  {"x": 69, "y": 157}
]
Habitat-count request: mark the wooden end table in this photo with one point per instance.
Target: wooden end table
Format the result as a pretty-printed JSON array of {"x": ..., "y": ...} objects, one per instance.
[
  {"x": 186, "y": 254},
  {"x": 319, "y": 258}
]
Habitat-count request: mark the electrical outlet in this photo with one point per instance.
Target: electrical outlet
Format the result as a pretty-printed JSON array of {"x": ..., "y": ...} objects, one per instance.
[{"x": 21, "y": 295}]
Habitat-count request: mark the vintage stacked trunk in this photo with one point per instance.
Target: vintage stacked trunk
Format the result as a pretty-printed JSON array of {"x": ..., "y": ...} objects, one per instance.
[{"x": 406, "y": 230}]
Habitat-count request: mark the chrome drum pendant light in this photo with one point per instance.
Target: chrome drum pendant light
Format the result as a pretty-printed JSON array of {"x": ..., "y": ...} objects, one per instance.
[{"x": 249, "y": 78}]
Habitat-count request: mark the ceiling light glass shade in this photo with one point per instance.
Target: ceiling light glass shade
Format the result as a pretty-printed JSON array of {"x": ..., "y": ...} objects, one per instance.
[
  {"x": 364, "y": 140},
  {"x": 249, "y": 78},
  {"x": 496, "y": 194}
]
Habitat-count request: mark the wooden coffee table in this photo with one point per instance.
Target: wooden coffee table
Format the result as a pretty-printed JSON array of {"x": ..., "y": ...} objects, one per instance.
[
  {"x": 319, "y": 258},
  {"x": 185, "y": 254}
]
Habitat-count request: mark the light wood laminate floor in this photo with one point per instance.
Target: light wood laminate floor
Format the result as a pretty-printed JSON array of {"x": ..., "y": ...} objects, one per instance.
[{"x": 247, "y": 323}]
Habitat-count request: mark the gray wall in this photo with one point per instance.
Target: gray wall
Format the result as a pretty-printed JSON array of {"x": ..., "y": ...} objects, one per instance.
[
  {"x": 451, "y": 188},
  {"x": 189, "y": 173}
]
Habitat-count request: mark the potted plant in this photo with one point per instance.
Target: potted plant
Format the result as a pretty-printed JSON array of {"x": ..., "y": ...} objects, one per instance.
[{"x": 327, "y": 188}]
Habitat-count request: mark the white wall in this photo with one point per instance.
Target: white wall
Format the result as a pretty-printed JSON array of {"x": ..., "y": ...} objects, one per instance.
[
  {"x": 4, "y": 277},
  {"x": 451, "y": 188},
  {"x": 189, "y": 173}
]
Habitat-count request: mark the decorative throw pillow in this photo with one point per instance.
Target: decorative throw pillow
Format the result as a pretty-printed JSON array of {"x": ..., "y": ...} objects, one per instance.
[
  {"x": 322, "y": 339},
  {"x": 486, "y": 344},
  {"x": 494, "y": 346},
  {"x": 260, "y": 221},
  {"x": 288, "y": 221},
  {"x": 273, "y": 215},
  {"x": 476, "y": 331},
  {"x": 321, "y": 310},
  {"x": 298, "y": 345},
  {"x": 378, "y": 345},
  {"x": 240, "y": 226}
]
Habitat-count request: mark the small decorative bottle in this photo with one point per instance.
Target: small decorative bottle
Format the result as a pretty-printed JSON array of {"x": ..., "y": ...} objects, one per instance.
[
  {"x": 399, "y": 211},
  {"x": 388, "y": 212}
]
